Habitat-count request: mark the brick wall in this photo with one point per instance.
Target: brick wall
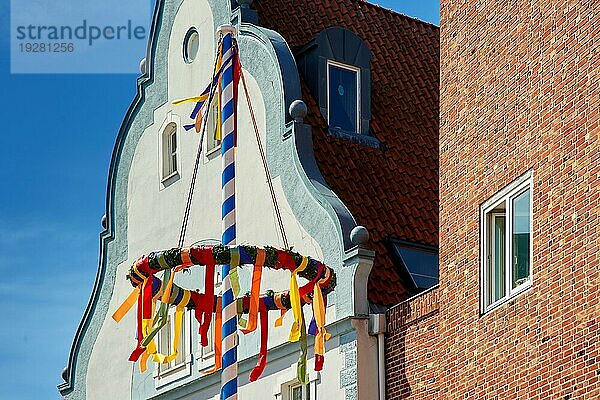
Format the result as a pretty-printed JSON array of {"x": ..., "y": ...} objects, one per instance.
[
  {"x": 411, "y": 371},
  {"x": 519, "y": 91}
]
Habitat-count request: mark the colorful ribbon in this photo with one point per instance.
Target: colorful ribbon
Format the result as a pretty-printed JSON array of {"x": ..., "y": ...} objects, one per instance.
[
  {"x": 264, "y": 334},
  {"x": 255, "y": 300},
  {"x": 127, "y": 305},
  {"x": 295, "y": 301},
  {"x": 319, "y": 315},
  {"x": 206, "y": 307},
  {"x": 234, "y": 277},
  {"x": 148, "y": 289},
  {"x": 301, "y": 367}
]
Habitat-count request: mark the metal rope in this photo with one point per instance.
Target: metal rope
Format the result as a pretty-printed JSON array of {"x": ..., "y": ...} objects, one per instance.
[
  {"x": 188, "y": 206},
  {"x": 264, "y": 161}
]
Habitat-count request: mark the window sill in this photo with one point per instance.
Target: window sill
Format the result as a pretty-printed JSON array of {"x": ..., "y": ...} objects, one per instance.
[
  {"x": 213, "y": 151},
  {"x": 212, "y": 154},
  {"x": 524, "y": 288},
  {"x": 205, "y": 361},
  {"x": 365, "y": 140},
  {"x": 170, "y": 179},
  {"x": 171, "y": 375}
]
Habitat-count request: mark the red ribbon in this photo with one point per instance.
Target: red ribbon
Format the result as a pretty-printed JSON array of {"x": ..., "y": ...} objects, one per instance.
[
  {"x": 319, "y": 362},
  {"x": 208, "y": 304},
  {"x": 201, "y": 255},
  {"x": 286, "y": 261},
  {"x": 141, "y": 309},
  {"x": 264, "y": 334},
  {"x": 308, "y": 288}
]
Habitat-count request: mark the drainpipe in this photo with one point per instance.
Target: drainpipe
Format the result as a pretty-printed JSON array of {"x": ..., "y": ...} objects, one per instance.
[{"x": 377, "y": 328}]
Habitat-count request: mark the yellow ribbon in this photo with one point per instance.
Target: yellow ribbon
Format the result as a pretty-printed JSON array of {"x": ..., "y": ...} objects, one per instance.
[
  {"x": 319, "y": 313},
  {"x": 194, "y": 99},
  {"x": 179, "y": 312},
  {"x": 146, "y": 328},
  {"x": 295, "y": 301},
  {"x": 218, "y": 119}
]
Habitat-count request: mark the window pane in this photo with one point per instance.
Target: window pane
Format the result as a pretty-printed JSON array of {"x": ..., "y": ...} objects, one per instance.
[
  {"x": 296, "y": 393},
  {"x": 496, "y": 277},
  {"x": 520, "y": 238},
  {"x": 181, "y": 354},
  {"x": 343, "y": 92},
  {"x": 173, "y": 163},
  {"x": 173, "y": 142},
  {"x": 213, "y": 128},
  {"x": 193, "y": 44},
  {"x": 207, "y": 350},
  {"x": 211, "y": 337},
  {"x": 164, "y": 344}
]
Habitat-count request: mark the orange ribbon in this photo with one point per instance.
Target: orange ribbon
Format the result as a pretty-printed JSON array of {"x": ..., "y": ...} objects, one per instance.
[
  {"x": 261, "y": 255},
  {"x": 127, "y": 304}
]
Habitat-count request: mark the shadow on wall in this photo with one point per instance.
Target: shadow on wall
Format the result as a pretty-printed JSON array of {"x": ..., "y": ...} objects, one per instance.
[{"x": 411, "y": 348}]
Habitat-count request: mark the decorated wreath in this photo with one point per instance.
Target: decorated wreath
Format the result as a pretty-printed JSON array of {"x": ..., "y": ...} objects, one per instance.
[{"x": 150, "y": 290}]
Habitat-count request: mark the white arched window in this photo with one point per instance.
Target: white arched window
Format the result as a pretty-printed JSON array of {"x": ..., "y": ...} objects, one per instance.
[{"x": 169, "y": 151}]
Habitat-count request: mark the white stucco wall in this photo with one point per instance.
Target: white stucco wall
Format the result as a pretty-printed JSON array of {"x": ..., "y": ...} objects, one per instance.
[{"x": 155, "y": 213}]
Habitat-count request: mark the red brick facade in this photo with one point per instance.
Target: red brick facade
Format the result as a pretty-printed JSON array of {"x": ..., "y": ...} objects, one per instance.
[
  {"x": 519, "y": 91},
  {"x": 412, "y": 371}
]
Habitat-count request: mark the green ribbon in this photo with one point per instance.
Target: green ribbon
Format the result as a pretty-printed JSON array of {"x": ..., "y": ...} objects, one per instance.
[
  {"x": 301, "y": 370},
  {"x": 234, "y": 278},
  {"x": 161, "y": 318}
]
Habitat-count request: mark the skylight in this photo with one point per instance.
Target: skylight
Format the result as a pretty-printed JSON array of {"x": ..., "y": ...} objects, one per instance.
[{"x": 419, "y": 264}]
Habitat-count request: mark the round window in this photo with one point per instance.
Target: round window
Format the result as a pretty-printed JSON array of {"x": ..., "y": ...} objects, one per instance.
[{"x": 190, "y": 45}]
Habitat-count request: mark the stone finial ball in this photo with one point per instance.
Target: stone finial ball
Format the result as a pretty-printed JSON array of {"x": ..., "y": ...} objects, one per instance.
[
  {"x": 65, "y": 374},
  {"x": 143, "y": 65},
  {"x": 103, "y": 221},
  {"x": 359, "y": 235},
  {"x": 298, "y": 110}
]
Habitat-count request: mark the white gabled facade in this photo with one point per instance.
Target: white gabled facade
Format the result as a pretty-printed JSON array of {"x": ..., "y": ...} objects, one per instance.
[{"x": 145, "y": 212}]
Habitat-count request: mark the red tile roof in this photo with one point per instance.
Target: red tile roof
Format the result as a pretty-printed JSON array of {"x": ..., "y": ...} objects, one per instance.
[{"x": 394, "y": 192}]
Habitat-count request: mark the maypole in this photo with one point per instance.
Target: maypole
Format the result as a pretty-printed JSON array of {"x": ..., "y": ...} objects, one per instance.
[
  {"x": 228, "y": 142},
  {"x": 149, "y": 289}
]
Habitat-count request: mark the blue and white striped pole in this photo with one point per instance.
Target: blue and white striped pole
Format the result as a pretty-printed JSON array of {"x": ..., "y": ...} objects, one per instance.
[{"x": 228, "y": 114}]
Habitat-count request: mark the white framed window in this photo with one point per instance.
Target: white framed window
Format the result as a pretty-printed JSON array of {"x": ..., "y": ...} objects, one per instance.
[
  {"x": 205, "y": 356},
  {"x": 297, "y": 391},
  {"x": 212, "y": 125},
  {"x": 289, "y": 388},
  {"x": 180, "y": 367},
  {"x": 506, "y": 243},
  {"x": 169, "y": 151},
  {"x": 343, "y": 97}
]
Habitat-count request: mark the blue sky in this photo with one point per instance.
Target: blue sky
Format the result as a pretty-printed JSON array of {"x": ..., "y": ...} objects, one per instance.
[{"x": 58, "y": 132}]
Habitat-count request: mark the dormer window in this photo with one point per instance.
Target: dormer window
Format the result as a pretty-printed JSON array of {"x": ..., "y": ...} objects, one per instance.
[
  {"x": 343, "y": 97},
  {"x": 337, "y": 69}
]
